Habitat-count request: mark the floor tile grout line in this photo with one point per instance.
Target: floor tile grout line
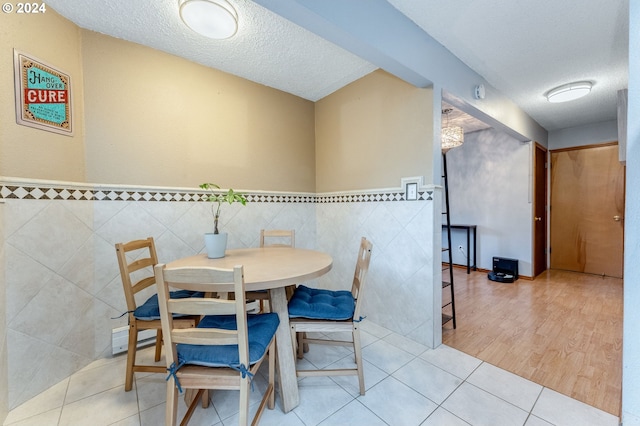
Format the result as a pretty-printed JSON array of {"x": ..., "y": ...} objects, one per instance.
[
  {"x": 64, "y": 400},
  {"x": 353, "y": 398}
]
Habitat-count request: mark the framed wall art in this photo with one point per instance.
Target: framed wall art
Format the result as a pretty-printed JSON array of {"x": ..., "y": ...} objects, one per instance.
[{"x": 43, "y": 95}]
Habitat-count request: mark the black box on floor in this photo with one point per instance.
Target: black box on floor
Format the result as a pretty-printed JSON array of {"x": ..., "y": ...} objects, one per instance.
[{"x": 504, "y": 270}]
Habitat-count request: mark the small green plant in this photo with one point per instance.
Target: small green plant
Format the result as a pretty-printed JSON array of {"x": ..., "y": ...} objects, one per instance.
[{"x": 219, "y": 197}]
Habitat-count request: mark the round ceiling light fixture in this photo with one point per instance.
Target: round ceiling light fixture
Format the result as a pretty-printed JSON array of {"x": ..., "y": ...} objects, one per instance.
[
  {"x": 215, "y": 19},
  {"x": 569, "y": 92}
]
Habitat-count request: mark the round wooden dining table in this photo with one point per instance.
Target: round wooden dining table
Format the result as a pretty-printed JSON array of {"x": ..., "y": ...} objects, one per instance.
[{"x": 272, "y": 268}]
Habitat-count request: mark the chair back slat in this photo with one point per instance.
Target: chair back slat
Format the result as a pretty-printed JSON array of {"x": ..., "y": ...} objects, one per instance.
[
  {"x": 136, "y": 265},
  {"x": 202, "y": 306},
  {"x": 277, "y": 238},
  {"x": 360, "y": 274},
  {"x": 205, "y": 336},
  {"x": 142, "y": 284}
]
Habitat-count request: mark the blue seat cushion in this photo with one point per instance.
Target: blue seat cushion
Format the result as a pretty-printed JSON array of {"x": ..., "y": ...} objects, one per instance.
[
  {"x": 315, "y": 303},
  {"x": 150, "y": 309},
  {"x": 261, "y": 328}
]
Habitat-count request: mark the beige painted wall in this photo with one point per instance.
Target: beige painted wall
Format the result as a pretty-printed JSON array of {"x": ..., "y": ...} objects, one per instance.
[
  {"x": 28, "y": 152},
  {"x": 156, "y": 119},
  {"x": 372, "y": 133}
]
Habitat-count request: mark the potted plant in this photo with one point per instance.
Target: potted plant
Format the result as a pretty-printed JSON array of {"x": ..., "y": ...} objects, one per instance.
[{"x": 216, "y": 242}]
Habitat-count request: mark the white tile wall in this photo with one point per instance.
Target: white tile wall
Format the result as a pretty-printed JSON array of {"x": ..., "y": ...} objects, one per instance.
[
  {"x": 63, "y": 287},
  {"x": 4, "y": 379},
  {"x": 400, "y": 286}
]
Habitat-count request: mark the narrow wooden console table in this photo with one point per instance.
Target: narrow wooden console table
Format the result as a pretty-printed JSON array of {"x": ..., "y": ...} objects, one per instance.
[{"x": 471, "y": 229}]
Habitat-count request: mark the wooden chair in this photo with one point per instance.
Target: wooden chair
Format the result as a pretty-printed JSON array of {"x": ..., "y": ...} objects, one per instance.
[
  {"x": 327, "y": 311},
  {"x": 227, "y": 347},
  {"x": 273, "y": 238},
  {"x": 137, "y": 274}
]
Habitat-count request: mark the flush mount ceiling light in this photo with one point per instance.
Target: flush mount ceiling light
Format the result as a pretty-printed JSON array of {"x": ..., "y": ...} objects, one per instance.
[
  {"x": 212, "y": 18},
  {"x": 569, "y": 92},
  {"x": 451, "y": 136}
]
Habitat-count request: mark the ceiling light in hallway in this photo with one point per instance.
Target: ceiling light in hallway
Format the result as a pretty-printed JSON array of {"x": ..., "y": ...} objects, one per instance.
[{"x": 569, "y": 92}]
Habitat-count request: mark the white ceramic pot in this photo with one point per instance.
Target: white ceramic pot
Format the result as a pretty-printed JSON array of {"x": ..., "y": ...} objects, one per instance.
[{"x": 216, "y": 245}]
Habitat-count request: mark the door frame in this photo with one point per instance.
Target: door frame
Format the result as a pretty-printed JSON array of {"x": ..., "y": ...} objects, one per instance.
[{"x": 540, "y": 252}]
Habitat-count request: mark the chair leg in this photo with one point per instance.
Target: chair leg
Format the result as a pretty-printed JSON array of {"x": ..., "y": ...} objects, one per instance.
[
  {"x": 243, "y": 414},
  {"x": 205, "y": 399},
  {"x": 357, "y": 349},
  {"x": 272, "y": 373},
  {"x": 171, "y": 409},
  {"x": 158, "y": 345},
  {"x": 294, "y": 338},
  {"x": 131, "y": 356},
  {"x": 268, "y": 398},
  {"x": 301, "y": 344},
  {"x": 290, "y": 289},
  {"x": 192, "y": 406}
]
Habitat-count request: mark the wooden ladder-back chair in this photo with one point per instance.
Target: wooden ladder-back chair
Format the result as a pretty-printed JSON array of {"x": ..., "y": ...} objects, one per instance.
[
  {"x": 327, "y": 311},
  {"x": 273, "y": 238},
  {"x": 136, "y": 260},
  {"x": 227, "y": 347}
]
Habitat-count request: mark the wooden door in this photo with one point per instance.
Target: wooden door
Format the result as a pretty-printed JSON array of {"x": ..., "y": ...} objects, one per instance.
[
  {"x": 587, "y": 208},
  {"x": 539, "y": 210}
]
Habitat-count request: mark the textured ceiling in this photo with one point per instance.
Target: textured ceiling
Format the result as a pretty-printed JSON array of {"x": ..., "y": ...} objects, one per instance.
[
  {"x": 525, "y": 48},
  {"x": 267, "y": 49},
  {"x": 522, "y": 48}
]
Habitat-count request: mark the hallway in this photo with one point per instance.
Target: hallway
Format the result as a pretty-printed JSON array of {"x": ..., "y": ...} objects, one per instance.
[{"x": 562, "y": 330}]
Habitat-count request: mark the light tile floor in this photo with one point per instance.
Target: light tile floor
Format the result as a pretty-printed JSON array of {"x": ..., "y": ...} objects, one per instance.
[{"x": 407, "y": 384}]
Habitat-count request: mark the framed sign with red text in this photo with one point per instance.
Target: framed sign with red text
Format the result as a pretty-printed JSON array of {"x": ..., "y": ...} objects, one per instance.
[{"x": 43, "y": 95}]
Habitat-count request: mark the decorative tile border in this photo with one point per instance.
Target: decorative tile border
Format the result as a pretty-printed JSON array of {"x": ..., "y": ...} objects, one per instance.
[
  {"x": 371, "y": 197},
  {"x": 44, "y": 193},
  {"x": 87, "y": 193}
]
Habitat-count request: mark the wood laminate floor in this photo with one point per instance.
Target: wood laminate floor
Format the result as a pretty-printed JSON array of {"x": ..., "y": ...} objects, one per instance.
[{"x": 562, "y": 330}]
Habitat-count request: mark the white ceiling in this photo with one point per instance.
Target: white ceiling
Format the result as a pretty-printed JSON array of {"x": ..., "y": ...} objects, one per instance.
[{"x": 522, "y": 48}]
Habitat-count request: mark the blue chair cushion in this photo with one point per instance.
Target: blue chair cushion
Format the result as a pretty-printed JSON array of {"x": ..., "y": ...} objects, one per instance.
[
  {"x": 315, "y": 303},
  {"x": 150, "y": 309},
  {"x": 261, "y": 328}
]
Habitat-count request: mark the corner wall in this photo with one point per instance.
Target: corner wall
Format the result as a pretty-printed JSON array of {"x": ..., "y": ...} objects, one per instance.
[
  {"x": 156, "y": 119},
  {"x": 401, "y": 285},
  {"x": 372, "y": 133}
]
